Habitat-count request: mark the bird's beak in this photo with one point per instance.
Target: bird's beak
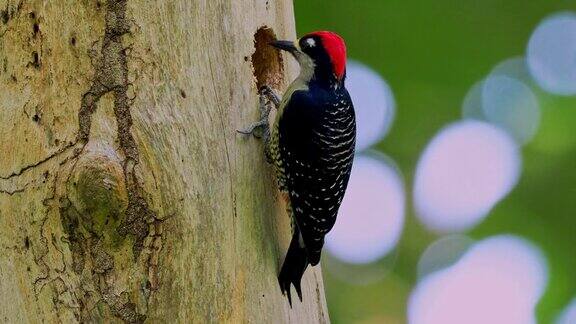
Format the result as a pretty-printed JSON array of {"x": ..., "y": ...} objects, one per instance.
[{"x": 285, "y": 46}]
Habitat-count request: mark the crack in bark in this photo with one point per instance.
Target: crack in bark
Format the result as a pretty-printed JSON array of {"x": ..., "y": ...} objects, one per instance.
[
  {"x": 39, "y": 163},
  {"x": 13, "y": 192},
  {"x": 39, "y": 255},
  {"x": 111, "y": 76}
]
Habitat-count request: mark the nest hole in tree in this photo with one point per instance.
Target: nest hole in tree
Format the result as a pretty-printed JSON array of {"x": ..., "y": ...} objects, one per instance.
[{"x": 266, "y": 60}]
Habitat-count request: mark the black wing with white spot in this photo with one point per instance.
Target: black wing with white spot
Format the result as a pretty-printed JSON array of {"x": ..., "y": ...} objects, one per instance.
[{"x": 317, "y": 134}]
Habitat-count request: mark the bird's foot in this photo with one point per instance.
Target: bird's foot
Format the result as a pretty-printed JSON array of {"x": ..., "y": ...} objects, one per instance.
[
  {"x": 258, "y": 129},
  {"x": 261, "y": 128}
]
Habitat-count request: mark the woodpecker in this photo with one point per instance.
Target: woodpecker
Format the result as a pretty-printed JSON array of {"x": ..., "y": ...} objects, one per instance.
[{"x": 311, "y": 145}]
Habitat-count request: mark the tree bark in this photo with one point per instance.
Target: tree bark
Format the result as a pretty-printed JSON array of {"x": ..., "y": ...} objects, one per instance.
[{"x": 125, "y": 192}]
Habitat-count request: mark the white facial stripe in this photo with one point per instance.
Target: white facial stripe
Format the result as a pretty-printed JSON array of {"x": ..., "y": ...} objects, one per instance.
[{"x": 311, "y": 42}]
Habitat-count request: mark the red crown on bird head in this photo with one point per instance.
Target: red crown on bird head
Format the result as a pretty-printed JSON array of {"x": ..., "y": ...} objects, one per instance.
[{"x": 336, "y": 49}]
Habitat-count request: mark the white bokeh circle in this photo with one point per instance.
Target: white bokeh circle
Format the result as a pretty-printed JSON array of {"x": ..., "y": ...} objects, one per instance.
[
  {"x": 498, "y": 281},
  {"x": 568, "y": 315},
  {"x": 551, "y": 54},
  {"x": 465, "y": 170},
  {"x": 371, "y": 217},
  {"x": 373, "y": 102}
]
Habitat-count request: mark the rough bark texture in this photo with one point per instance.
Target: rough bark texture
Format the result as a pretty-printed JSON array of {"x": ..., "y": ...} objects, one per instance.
[{"x": 125, "y": 192}]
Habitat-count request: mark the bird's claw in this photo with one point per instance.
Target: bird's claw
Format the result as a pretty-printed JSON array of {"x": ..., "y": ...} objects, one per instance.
[
  {"x": 264, "y": 113},
  {"x": 251, "y": 130}
]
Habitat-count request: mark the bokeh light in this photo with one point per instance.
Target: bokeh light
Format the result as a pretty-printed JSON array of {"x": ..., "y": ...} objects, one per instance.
[
  {"x": 568, "y": 315},
  {"x": 498, "y": 281},
  {"x": 552, "y": 54},
  {"x": 373, "y": 102},
  {"x": 472, "y": 105},
  {"x": 443, "y": 253},
  {"x": 430, "y": 58},
  {"x": 515, "y": 67},
  {"x": 371, "y": 217},
  {"x": 504, "y": 100},
  {"x": 465, "y": 170},
  {"x": 510, "y": 104}
]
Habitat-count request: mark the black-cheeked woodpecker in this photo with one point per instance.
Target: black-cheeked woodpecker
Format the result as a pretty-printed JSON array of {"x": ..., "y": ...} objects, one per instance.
[{"x": 311, "y": 145}]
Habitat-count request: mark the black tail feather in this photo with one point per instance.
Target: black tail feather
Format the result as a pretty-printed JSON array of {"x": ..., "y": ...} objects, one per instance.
[{"x": 293, "y": 268}]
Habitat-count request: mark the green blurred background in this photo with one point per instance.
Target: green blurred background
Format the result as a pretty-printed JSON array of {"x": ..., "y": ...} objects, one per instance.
[{"x": 431, "y": 53}]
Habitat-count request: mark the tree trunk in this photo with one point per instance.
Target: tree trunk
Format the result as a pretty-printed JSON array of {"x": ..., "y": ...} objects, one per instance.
[{"x": 125, "y": 192}]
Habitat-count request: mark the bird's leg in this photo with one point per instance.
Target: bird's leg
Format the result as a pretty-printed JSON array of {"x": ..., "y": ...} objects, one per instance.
[
  {"x": 261, "y": 128},
  {"x": 269, "y": 92}
]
